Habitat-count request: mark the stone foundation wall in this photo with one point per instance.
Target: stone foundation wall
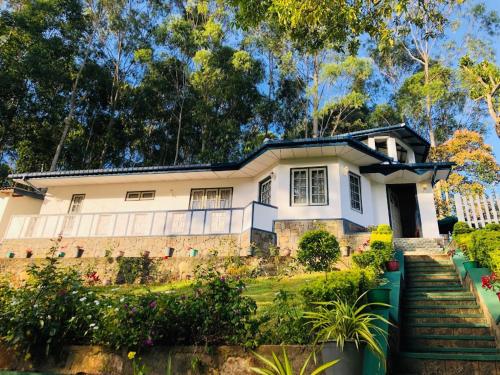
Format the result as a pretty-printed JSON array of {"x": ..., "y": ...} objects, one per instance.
[
  {"x": 108, "y": 268},
  {"x": 288, "y": 232},
  {"x": 94, "y": 360}
]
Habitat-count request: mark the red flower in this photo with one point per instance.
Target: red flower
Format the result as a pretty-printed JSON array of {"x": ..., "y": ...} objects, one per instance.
[{"x": 165, "y": 257}]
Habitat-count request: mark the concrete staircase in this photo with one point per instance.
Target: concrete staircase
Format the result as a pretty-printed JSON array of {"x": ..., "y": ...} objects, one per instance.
[
  {"x": 443, "y": 329},
  {"x": 427, "y": 245}
]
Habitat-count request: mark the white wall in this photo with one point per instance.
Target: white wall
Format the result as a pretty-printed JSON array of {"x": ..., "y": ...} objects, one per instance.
[
  {"x": 20, "y": 205},
  {"x": 379, "y": 203},
  {"x": 425, "y": 197},
  {"x": 171, "y": 195}
]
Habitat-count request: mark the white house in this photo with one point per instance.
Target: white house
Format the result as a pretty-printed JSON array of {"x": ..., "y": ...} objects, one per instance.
[{"x": 270, "y": 197}]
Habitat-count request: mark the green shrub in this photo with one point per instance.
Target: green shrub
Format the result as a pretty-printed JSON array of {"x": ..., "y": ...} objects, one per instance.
[
  {"x": 485, "y": 247},
  {"x": 383, "y": 233},
  {"x": 384, "y": 228},
  {"x": 339, "y": 284},
  {"x": 380, "y": 252},
  {"x": 318, "y": 250},
  {"x": 461, "y": 227},
  {"x": 282, "y": 322},
  {"x": 52, "y": 308},
  {"x": 492, "y": 226}
]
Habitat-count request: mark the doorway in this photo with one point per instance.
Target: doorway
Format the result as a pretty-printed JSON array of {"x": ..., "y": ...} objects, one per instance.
[{"x": 404, "y": 213}]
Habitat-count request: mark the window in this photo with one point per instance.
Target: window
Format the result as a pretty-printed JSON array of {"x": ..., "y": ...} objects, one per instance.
[
  {"x": 381, "y": 146},
  {"x": 211, "y": 198},
  {"x": 309, "y": 186},
  {"x": 355, "y": 188},
  {"x": 402, "y": 153},
  {"x": 75, "y": 206},
  {"x": 265, "y": 191},
  {"x": 140, "y": 195}
]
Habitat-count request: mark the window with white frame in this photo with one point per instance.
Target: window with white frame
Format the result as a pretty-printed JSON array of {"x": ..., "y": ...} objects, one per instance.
[
  {"x": 211, "y": 198},
  {"x": 75, "y": 206},
  {"x": 265, "y": 191},
  {"x": 140, "y": 195},
  {"x": 308, "y": 186},
  {"x": 355, "y": 189}
]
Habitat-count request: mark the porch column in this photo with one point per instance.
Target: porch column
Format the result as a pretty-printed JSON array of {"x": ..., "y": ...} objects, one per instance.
[{"x": 425, "y": 198}]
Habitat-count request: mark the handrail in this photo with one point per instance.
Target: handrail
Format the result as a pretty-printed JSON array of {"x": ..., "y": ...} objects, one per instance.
[{"x": 210, "y": 221}]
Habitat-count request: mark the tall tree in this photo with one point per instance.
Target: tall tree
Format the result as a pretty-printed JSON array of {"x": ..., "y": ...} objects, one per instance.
[{"x": 482, "y": 80}]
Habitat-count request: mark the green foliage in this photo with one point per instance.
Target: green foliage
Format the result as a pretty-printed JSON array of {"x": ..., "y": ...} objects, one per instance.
[
  {"x": 276, "y": 366},
  {"x": 492, "y": 226},
  {"x": 282, "y": 322},
  {"x": 46, "y": 312},
  {"x": 318, "y": 250},
  {"x": 132, "y": 270},
  {"x": 347, "y": 285},
  {"x": 461, "y": 227},
  {"x": 482, "y": 245},
  {"x": 380, "y": 252},
  {"x": 341, "y": 321}
]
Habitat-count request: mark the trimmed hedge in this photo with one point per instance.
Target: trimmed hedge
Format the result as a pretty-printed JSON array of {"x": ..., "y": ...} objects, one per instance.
[
  {"x": 461, "y": 227},
  {"x": 482, "y": 245},
  {"x": 348, "y": 285}
]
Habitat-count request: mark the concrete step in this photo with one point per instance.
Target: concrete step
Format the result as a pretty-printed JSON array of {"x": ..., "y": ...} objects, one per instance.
[
  {"x": 448, "y": 363},
  {"x": 442, "y": 282},
  {"x": 444, "y": 318},
  {"x": 417, "y": 276},
  {"x": 459, "y": 329},
  {"x": 461, "y": 350},
  {"x": 438, "y": 303},
  {"x": 435, "y": 288},
  {"x": 451, "y": 341},
  {"x": 445, "y": 309}
]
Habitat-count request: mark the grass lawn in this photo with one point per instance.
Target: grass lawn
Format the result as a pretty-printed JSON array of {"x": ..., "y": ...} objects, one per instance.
[{"x": 261, "y": 289}]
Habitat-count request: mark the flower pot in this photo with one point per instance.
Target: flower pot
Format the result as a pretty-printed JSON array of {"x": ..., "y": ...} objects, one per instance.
[
  {"x": 10, "y": 254},
  {"x": 146, "y": 254},
  {"x": 351, "y": 358},
  {"x": 250, "y": 251},
  {"x": 61, "y": 254},
  {"x": 381, "y": 295},
  {"x": 79, "y": 252},
  {"x": 392, "y": 265},
  {"x": 470, "y": 265},
  {"x": 169, "y": 252},
  {"x": 29, "y": 254},
  {"x": 498, "y": 295},
  {"x": 193, "y": 252}
]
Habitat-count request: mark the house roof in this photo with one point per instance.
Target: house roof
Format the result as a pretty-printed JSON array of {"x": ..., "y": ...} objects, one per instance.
[
  {"x": 15, "y": 191},
  {"x": 349, "y": 146},
  {"x": 412, "y": 172}
]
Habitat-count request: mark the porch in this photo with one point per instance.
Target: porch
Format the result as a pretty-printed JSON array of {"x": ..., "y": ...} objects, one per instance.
[{"x": 228, "y": 230}]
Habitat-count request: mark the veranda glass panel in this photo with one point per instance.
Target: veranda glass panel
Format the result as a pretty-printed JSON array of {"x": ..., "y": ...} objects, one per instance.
[
  {"x": 318, "y": 186},
  {"x": 299, "y": 186}
]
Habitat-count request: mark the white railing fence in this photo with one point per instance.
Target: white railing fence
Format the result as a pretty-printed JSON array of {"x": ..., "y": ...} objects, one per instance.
[
  {"x": 478, "y": 210},
  {"x": 145, "y": 223}
]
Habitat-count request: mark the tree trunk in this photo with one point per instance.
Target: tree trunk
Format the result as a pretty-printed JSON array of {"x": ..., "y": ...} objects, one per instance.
[
  {"x": 69, "y": 118},
  {"x": 315, "y": 94},
  {"x": 493, "y": 114},
  {"x": 177, "y": 143},
  {"x": 428, "y": 106}
]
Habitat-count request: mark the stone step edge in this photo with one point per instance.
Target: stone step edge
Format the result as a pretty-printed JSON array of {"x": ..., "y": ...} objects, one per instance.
[
  {"x": 452, "y": 337},
  {"x": 437, "y": 349},
  {"x": 423, "y": 307},
  {"x": 426, "y": 315},
  {"x": 438, "y": 298},
  {"x": 448, "y": 325},
  {"x": 453, "y": 356}
]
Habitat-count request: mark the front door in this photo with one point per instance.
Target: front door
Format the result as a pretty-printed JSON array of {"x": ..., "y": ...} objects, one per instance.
[{"x": 404, "y": 212}]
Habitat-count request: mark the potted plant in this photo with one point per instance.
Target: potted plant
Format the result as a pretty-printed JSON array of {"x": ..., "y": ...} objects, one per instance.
[
  {"x": 79, "y": 251},
  {"x": 193, "y": 252},
  {"x": 379, "y": 293},
  {"x": 344, "y": 247},
  {"x": 10, "y": 254},
  {"x": 250, "y": 251},
  {"x": 61, "y": 254},
  {"x": 491, "y": 282},
  {"x": 169, "y": 252},
  {"x": 29, "y": 253},
  {"x": 344, "y": 329},
  {"x": 392, "y": 265}
]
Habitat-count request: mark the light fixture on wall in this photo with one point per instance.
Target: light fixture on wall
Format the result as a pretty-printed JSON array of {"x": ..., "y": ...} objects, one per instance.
[
  {"x": 346, "y": 170},
  {"x": 424, "y": 186},
  {"x": 272, "y": 175}
]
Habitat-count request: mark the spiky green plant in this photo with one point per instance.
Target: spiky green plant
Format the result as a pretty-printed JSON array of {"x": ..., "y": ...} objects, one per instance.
[
  {"x": 277, "y": 366},
  {"x": 342, "y": 321}
]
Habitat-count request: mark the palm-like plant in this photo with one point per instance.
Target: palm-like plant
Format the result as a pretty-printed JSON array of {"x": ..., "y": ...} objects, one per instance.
[
  {"x": 342, "y": 321},
  {"x": 276, "y": 366}
]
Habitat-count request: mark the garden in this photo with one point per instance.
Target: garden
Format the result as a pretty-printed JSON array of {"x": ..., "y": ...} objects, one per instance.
[{"x": 309, "y": 302}]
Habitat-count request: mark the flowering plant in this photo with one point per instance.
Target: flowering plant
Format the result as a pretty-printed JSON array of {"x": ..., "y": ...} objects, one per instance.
[
  {"x": 491, "y": 282},
  {"x": 451, "y": 252},
  {"x": 92, "y": 278}
]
